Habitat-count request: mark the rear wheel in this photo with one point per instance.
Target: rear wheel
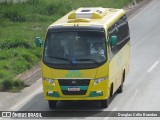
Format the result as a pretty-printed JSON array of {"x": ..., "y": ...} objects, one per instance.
[
  {"x": 120, "y": 89},
  {"x": 52, "y": 104},
  {"x": 104, "y": 103}
]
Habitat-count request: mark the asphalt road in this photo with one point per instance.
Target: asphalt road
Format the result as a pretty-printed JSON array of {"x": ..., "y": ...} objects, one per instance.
[{"x": 142, "y": 85}]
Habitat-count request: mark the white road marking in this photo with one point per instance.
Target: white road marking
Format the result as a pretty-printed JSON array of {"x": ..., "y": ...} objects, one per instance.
[
  {"x": 106, "y": 118},
  {"x": 26, "y": 99},
  {"x": 131, "y": 99},
  {"x": 134, "y": 95},
  {"x": 114, "y": 109},
  {"x": 153, "y": 66}
]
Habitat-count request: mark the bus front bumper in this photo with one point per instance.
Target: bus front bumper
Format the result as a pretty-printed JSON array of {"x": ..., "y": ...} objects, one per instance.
[{"x": 99, "y": 91}]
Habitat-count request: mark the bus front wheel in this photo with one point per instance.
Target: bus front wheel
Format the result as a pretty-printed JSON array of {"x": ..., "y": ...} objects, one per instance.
[
  {"x": 52, "y": 104},
  {"x": 104, "y": 103}
]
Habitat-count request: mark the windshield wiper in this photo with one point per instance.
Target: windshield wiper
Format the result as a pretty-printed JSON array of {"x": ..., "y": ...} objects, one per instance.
[
  {"x": 61, "y": 58},
  {"x": 72, "y": 62},
  {"x": 88, "y": 60}
]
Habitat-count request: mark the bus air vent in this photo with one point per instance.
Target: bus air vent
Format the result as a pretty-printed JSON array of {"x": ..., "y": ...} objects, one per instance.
[{"x": 90, "y": 13}]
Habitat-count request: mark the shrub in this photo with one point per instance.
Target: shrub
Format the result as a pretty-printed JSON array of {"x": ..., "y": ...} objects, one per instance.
[
  {"x": 16, "y": 41},
  {"x": 4, "y": 65},
  {"x": 5, "y": 55},
  {"x": 58, "y": 7},
  {"x": 1, "y": 86},
  {"x": 5, "y": 74},
  {"x": 20, "y": 65},
  {"x": 32, "y": 2},
  {"x": 14, "y": 16},
  {"x": 37, "y": 52},
  {"x": 51, "y": 9},
  {"x": 18, "y": 84},
  {"x": 14, "y": 12},
  {"x": 7, "y": 84},
  {"x": 29, "y": 57},
  {"x": 23, "y": 61}
]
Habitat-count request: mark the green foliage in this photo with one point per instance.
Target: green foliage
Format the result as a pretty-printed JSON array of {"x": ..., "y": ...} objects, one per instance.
[
  {"x": 4, "y": 74},
  {"x": 16, "y": 41},
  {"x": 4, "y": 65},
  {"x": 20, "y": 65},
  {"x": 9, "y": 84},
  {"x": 13, "y": 12},
  {"x": 18, "y": 83},
  {"x": 14, "y": 16}
]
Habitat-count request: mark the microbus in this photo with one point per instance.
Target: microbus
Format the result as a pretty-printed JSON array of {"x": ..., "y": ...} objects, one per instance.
[{"x": 86, "y": 55}]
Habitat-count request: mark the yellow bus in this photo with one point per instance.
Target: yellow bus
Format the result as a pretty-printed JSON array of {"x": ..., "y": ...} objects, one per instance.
[{"x": 86, "y": 55}]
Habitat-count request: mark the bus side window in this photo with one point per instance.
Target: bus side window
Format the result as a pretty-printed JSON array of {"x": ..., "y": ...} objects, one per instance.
[
  {"x": 112, "y": 31},
  {"x": 123, "y": 32}
]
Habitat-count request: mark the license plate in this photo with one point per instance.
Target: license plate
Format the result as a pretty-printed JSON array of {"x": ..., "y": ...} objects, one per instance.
[{"x": 73, "y": 89}]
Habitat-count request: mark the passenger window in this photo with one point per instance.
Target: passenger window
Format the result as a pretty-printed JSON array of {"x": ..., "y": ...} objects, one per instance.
[{"x": 121, "y": 30}]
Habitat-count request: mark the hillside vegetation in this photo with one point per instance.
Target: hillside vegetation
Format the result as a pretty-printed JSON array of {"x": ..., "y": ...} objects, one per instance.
[{"x": 20, "y": 23}]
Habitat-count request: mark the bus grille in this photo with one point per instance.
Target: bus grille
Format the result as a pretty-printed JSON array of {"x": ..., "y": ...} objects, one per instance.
[{"x": 74, "y": 82}]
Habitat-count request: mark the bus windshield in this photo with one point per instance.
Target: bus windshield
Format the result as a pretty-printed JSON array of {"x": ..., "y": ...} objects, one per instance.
[{"x": 75, "y": 48}]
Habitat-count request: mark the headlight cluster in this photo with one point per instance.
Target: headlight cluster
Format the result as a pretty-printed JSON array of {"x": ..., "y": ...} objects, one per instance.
[
  {"x": 98, "y": 80},
  {"x": 49, "y": 80}
]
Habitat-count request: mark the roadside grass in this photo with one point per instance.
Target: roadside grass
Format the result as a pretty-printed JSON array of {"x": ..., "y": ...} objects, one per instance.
[{"x": 21, "y": 22}]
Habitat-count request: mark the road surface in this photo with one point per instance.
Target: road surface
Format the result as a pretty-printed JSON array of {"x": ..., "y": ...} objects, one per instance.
[{"x": 142, "y": 85}]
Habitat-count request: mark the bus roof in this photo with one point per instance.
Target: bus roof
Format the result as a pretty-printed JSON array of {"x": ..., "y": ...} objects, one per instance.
[{"x": 89, "y": 16}]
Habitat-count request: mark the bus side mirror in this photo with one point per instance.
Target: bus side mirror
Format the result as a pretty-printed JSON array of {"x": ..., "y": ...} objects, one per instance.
[
  {"x": 113, "y": 40},
  {"x": 38, "y": 42}
]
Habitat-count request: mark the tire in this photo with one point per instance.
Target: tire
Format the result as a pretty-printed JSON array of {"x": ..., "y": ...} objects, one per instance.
[
  {"x": 52, "y": 104},
  {"x": 120, "y": 89},
  {"x": 104, "y": 103},
  {"x": 111, "y": 90}
]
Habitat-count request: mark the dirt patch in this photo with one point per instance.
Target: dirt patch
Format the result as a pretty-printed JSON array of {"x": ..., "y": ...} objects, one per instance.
[{"x": 32, "y": 75}]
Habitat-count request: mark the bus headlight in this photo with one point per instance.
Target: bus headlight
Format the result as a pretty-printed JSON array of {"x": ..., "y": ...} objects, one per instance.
[
  {"x": 49, "y": 80},
  {"x": 98, "y": 80}
]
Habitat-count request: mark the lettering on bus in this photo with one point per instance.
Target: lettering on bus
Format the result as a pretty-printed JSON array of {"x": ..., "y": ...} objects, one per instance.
[{"x": 73, "y": 73}]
